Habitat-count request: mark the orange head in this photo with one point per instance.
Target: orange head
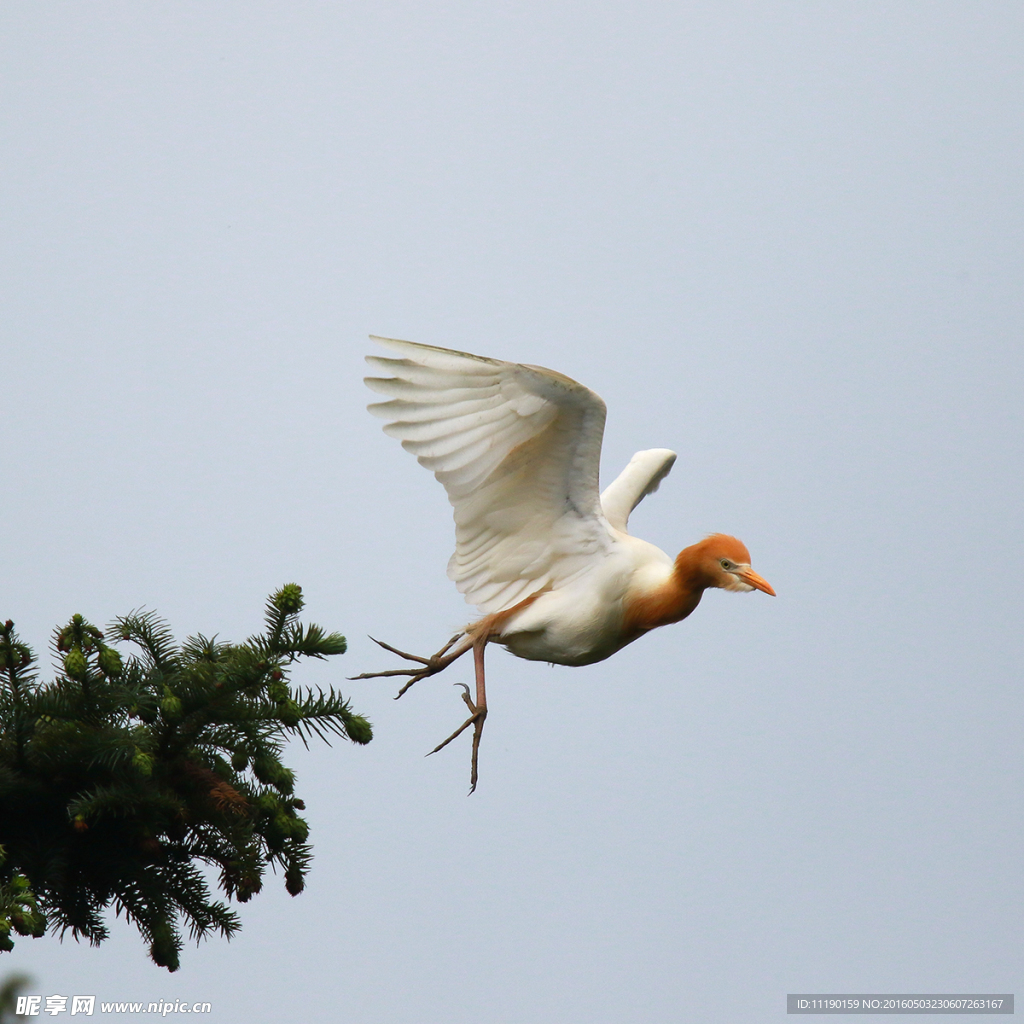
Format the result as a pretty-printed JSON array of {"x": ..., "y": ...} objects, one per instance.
[{"x": 723, "y": 561}]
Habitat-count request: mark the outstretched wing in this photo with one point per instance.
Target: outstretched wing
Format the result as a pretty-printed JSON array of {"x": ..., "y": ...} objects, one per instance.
[
  {"x": 641, "y": 477},
  {"x": 517, "y": 448}
]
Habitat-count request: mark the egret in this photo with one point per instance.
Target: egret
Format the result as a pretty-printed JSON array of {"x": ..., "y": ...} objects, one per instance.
[{"x": 539, "y": 550}]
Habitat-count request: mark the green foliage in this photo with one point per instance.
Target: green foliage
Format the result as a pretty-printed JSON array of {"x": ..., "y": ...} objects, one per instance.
[
  {"x": 19, "y": 909},
  {"x": 124, "y": 775}
]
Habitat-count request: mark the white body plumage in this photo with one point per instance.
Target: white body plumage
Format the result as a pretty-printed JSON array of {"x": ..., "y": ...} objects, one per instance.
[{"x": 583, "y": 621}]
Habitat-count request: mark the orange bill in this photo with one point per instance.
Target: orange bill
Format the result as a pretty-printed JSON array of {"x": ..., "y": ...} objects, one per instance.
[{"x": 752, "y": 579}]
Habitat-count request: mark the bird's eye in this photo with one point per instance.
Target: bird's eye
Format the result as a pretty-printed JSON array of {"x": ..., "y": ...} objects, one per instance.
[{"x": 726, "y": 564}]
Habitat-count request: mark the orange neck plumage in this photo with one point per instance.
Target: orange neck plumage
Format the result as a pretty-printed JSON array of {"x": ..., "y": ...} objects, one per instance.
[{"x": 674, "y": 599}]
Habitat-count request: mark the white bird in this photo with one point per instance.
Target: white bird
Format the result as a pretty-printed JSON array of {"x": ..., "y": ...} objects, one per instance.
[{"x": 544, "y": 556}]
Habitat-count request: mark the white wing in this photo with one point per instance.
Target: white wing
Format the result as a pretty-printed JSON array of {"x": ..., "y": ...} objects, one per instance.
[
  {"x": 641, "y": 477},
  {"x": 517, "y": 448}
]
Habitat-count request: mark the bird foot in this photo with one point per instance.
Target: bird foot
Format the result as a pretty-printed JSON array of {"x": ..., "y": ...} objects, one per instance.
[
  {"x": 455, "y": 648},
  {"x": 431, "y": 666},
  {"x": 478, "y": 713}
]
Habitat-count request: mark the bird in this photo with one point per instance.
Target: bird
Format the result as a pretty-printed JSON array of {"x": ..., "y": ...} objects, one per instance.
[{"x": 543, "y": 554}]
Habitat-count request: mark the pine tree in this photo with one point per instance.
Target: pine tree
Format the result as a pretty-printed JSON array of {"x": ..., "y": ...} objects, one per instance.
[{"x": 124, "y": 775}]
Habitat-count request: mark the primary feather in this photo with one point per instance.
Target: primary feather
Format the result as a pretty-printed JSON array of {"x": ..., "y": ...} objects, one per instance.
[{"x": 518, "y": 450}]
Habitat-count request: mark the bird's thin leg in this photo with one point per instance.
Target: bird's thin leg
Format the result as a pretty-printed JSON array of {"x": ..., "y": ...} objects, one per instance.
[
  {"x": 431, "y": 666},
  {"x": 478, "y": 711}
]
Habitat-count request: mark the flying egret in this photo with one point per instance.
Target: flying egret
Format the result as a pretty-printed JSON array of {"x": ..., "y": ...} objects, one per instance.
[{"x": 538, "y": 550}]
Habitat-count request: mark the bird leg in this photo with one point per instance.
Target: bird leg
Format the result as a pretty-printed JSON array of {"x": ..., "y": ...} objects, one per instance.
[
  {"x": 431, "y": 666},
  {"x": 455, "y": 648},
  {"x": 478, "y": 711}
]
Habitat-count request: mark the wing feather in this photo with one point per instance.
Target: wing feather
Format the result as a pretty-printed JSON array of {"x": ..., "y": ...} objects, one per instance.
[
  {"x": 441, "y": 437},
  {"x": 517, "y": 448},
  {"x": 413, "y": 412},
  {"x": 641, "y": 477}
]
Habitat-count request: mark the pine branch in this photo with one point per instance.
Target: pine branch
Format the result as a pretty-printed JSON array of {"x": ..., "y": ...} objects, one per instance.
[
  {"x": 152, "y": 634},
  {"x": 124, "y": 773}
]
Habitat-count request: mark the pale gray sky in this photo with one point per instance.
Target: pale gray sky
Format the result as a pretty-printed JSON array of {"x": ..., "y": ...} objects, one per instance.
[{"x": 783, "y": 239}]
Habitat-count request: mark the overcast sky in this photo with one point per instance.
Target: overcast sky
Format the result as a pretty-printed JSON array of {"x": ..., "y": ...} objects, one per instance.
[{"x": 781, "y": 238}]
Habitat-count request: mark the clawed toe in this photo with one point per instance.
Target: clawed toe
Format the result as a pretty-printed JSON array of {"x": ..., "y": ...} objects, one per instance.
[
  {"x": 476, "y": 715},
  {"x": 416, "y": 677},
  {"x": 476, "y": 719},
  {"x": 402, "y": 654},
  {"x": 435, "y": 663}
]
